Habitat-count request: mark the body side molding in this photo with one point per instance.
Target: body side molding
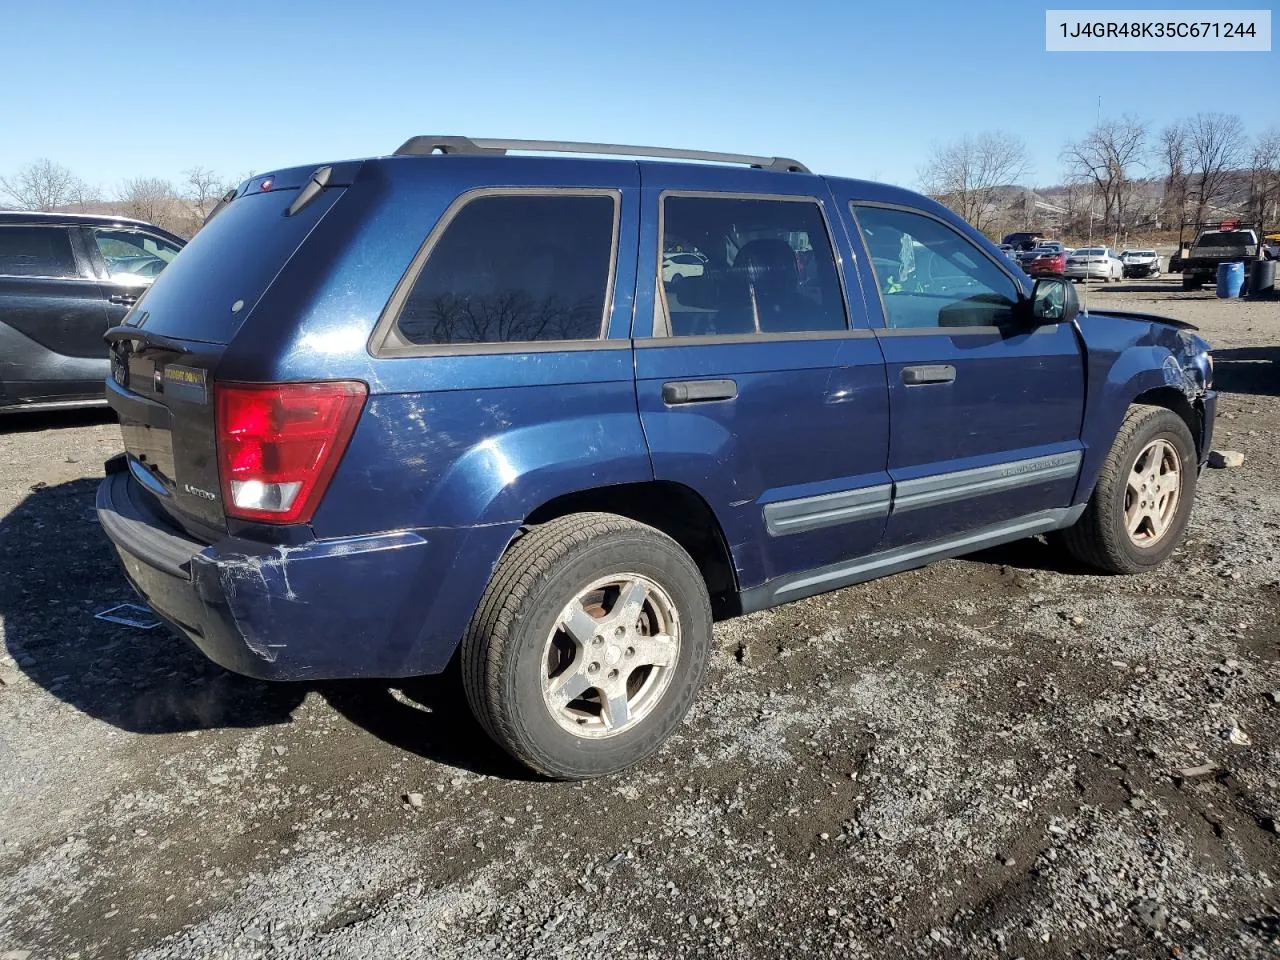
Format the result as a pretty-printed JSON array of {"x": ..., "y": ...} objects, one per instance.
[{"x": 811, "y": 582}]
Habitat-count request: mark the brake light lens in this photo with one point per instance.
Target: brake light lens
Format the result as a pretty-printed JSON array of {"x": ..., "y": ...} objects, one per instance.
[{"x": 280, "y": 443}]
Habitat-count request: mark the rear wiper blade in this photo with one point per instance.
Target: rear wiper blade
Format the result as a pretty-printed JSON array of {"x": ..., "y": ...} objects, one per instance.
[{"x": 126, "y": 332}]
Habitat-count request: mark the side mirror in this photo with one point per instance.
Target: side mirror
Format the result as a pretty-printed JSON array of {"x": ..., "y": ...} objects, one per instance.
[{"x": 1054, "y": 300}]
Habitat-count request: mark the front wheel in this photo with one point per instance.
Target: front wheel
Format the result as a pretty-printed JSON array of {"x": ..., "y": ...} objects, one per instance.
[
  {"x": 588, "y": 646},
  {"x": 1142, "y": 501}
]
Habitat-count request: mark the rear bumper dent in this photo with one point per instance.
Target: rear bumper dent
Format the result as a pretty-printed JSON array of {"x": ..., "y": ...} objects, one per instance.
[{"x": 387, "y": 605}]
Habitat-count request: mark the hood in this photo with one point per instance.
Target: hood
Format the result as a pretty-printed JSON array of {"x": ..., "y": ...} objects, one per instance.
[{"x": 1152, "y": 318}]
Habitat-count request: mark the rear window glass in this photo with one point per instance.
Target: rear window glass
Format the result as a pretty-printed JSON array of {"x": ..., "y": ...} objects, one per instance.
[
  {"x": 208, "y": 290},
  {"x": 515, "y": 268},
  {"x": 1226, "y": 238},
  {"x": 36, "y": 252}
]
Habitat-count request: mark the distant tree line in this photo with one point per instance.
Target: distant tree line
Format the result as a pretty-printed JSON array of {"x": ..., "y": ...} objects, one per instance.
[
  {"x": 1120, "y": 177},
  {"x": 180, "y": 208}
]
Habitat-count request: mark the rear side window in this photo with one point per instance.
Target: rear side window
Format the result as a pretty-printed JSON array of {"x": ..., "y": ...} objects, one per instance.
[
  {"x": 36, "y": 252},
  {"x": 516, "y": 268},
  {"x": 733, "y": 265}
]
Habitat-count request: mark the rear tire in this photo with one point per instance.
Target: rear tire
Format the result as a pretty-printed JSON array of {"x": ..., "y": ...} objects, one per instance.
[
  {"x": 588, "y": 646},
  {"x": 1130, "y": 524}
]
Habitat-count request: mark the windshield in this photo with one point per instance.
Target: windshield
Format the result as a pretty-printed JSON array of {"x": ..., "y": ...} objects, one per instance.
[{"x": 132, "y": 255}]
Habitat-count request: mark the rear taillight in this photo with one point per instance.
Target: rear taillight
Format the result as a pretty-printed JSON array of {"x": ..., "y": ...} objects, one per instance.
[{"x": 279, "y": 444}]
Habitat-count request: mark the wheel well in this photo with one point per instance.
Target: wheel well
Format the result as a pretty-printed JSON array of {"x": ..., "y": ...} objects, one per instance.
[
  {"x": 677, "y": 511},
  {"x": 1171, "y": 398}
]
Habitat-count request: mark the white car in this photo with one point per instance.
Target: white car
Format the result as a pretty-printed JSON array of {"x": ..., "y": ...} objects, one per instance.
[
  {"x": 1094, "y": 263},
  {"x": 1140, "y": 263},
  {"x": 677, "y": 266}
]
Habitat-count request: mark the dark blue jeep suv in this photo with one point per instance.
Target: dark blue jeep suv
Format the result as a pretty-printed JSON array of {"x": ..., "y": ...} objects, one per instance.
[{"x": 456, "y": 402}]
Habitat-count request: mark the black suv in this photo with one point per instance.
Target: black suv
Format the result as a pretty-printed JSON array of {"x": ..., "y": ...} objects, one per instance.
[{"x": 64, "y": 279}]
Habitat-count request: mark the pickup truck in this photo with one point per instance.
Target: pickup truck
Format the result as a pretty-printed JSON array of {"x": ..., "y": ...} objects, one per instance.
[{"x": 1226, "y": 241}]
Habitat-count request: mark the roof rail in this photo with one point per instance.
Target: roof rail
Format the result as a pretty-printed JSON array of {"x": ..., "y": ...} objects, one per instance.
[{"x": 424, "y": 145}]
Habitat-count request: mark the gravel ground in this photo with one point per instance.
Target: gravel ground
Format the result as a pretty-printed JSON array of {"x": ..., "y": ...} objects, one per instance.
[{"x": 990, "y": 757}]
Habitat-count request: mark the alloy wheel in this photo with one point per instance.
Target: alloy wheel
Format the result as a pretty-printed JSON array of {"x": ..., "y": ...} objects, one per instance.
[
  {"x": 1152, "y": 493},
  {"x": 611, "y": 655}
]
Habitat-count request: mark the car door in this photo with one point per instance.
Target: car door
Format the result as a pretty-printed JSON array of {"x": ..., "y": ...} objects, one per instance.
[
  {"x": 126, "y": 260},
  {"x": 51, "y": 318},
  {"x": 985, "y": 413},
  {"x": 755, "y": 389}
]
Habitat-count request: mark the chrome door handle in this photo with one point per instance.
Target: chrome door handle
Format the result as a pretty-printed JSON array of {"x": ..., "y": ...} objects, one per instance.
[
  {"x": 124, "y": 299},
  {"x": 928, "y": 373},
  {"x": 698, "y": 391}
]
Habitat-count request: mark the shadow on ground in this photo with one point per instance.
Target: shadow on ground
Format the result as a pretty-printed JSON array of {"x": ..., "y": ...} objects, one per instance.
[
  {"x": 1253, "y": 370},
  {"x": 61, "y": 570},
  {"x": 1037, "y": 553},
  {"x": 16, "y": 421}
]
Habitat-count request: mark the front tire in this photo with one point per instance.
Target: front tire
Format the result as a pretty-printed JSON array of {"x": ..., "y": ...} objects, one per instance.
[
  {"x": 588, "y": 646},
  {"x": 1142, "y": 501}
]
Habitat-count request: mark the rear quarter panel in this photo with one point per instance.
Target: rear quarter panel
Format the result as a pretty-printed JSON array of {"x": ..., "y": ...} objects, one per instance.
[
  {"x": 447, "y": 441},
  {"x": 458, "y": 448}
]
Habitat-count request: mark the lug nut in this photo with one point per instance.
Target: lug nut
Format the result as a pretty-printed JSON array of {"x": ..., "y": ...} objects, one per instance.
[
  {"x": 631, "y": 651},
  {"x": 620, "y": 632},
  {"x": 597, "y": 640},
  {"x": 594, "y": 668},
  {"x": 613, "y": 674}
]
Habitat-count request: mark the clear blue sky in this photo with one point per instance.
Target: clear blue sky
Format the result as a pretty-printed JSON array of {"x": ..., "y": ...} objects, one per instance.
[{"x": 851, "y": 88}]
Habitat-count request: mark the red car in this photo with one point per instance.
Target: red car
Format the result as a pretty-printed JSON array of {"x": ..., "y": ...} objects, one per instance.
[{"x": 1046, "y": 262}]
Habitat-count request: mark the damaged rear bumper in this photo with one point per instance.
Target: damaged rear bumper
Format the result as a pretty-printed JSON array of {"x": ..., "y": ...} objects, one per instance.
[{"x": 387, "y": 605}]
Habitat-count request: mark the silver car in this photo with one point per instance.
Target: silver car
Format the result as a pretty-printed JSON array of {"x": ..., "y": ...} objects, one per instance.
[
  {"x": 1140, "y": 263},
  {"x": 1094, "y": 263}
]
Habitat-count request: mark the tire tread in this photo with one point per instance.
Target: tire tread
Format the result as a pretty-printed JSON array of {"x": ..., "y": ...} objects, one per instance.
[
  {"x": 1092, "y": 539},
  {"x": 532, "y": 558}
]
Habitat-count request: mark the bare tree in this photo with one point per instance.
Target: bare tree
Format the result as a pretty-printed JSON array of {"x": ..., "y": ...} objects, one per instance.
[
  {"x": 966, "y": 174},
  {"x": 1216, "y": 146},
  {"x": 1264, "y": 178},
  {"x": 41, "y": 185},
  {"x": 85, "y": 194},
  {"x": 204, "y": 188},
  {"x": 151, "y": 199},
  {"x": 1107, "y": 159},
  {"x": 1172, "y": 156}
]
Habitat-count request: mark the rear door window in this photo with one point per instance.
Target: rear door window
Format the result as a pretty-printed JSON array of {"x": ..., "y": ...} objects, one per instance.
[
  {"x": 737, "y": 265},
  {"x": 36, "y": 251},
  {"x": 520, "y": 267}
]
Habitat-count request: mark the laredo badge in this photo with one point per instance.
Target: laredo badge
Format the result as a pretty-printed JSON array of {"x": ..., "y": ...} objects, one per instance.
[{"x": 185, "y": 383}]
